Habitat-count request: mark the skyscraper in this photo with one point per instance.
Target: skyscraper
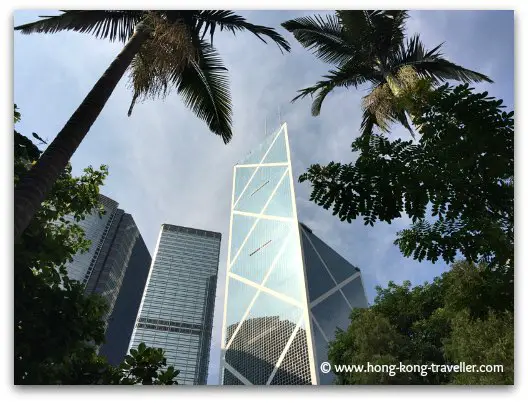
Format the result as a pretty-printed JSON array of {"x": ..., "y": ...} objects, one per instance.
[
  {"x": 176, "y": 312},
  {"x": 115, "y": 267},
  {"x": 95, "y": 229},
  {"x": 286, "y": 290}
]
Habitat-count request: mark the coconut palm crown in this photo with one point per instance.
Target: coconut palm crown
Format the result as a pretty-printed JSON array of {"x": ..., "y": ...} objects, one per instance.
[
  {"x": 370, "y": 47},
  {"x": 175, "y": 55},
  {"x": 164, "y": 50}
]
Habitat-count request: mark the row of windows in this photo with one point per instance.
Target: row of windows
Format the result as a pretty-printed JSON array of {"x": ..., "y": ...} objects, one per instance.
[
  {"x": 182, "y": 361},
  {"x": 184, "y": 312},
  {"x": 156, "y": 312},
  {"x": 168, "y": 328},
  {"x": 165, "y": 278},
  {"x": 180, "y": 247},
  {"x": 197, "y": 284},
  {"x": 164, "y": 315},
  {"x": 157, "y": 292},
  {"x": 190, "y": 260},
  {"x": 172, "y": 306},
  {"x": 190, "y": 245},
  {"x": 179, "y": 277},
  {"x": 176, "y": 318},
  {"x": 183, "y": 282},
  {"x": 187, "y": 237},
  {"x": 153, "y": 300},
  {"x": 198, "y": 266},
  {"x": 176, "y": 351},
  {"x": 175, "y": 295},
  {"x": 160, "y": 335},
  {"x": 186, "y": 246},
  {"x": 173, "y": 303},
  {"x": 179, "y": 351},
  {"x": 191, "y": 235}
]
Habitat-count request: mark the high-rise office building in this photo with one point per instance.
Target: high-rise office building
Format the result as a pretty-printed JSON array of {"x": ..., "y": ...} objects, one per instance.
[
  {"x": 95, "y": 229},
  {"x": 176, "y": 312},
  {"x": 286, "y": 290},
  {"x": 115, "y": 267}
]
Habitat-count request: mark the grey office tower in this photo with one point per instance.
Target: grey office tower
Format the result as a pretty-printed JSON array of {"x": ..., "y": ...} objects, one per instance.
[
  {"x": 286, "y": 290},
  {"x": 116, "y": 267},
  {"x": 176, "y": 312}
]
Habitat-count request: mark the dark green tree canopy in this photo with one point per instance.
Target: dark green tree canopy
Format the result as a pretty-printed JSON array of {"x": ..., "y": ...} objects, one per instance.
[
  {"x": 466, "y": 315},
  {"x": 461, "y": 168},
  {"x": 369, "y": 47}
]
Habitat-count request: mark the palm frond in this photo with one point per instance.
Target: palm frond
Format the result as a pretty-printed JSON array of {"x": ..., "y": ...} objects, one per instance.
[
  {"x": 400, "y": 116},
  {"x": 321, "y": 89},
  {"x": 204, "y": 87},
  {"x": 376, "y": 32},
  {"x": 319, "y": 98},
  {"x": 367, "y": 123},
  {"x": 227, "y": 20},
  {"x": 106, "y": 24},
  {"x": 349, "y": 75},
  {"x": 432, "y": 65},
  {"x": 322, "y": 36}
]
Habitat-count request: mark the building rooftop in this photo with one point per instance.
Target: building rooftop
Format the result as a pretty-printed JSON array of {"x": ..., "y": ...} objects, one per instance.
[{"x": 189, "y": 230}]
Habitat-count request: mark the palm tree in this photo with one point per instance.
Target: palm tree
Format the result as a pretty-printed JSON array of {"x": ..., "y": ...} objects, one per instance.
[
  {"x": 164, "y": 50},
  {"x": 369, "y": 47}
]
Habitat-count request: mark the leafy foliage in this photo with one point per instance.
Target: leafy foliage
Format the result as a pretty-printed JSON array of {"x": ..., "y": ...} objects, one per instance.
[
  {"x": 368, "y": 47},
  {"x": 462, "y": 168},
  {"x": 56, "y": 327},
  {"x": 488, "y": 341},
  {"x": 431, "y": 324},
  {"x": 145, "y": 366}
]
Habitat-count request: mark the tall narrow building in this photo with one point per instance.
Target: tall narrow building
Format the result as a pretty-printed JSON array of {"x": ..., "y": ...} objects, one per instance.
[
  {"x": 176, "y": 312},
  {"x": 95, "y": 228},
  {"x": 286, "y": 290},
  {"x": 115, "y": 267}
]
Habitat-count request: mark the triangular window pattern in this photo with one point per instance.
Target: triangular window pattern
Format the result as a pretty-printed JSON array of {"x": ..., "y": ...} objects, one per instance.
[
  {"x": 256, "y": 156},
  {"x": 256, "y": 256},
  {"x": 338, "y": 266},
  {"x": 287, "y": 275},
  {"x": 281, "y": 203},
  {"x": 262, "y": 337},
  {"x": 319, "y": 281},
  {"x": 278, "y": 152},
  {"x": 242, "y": 177},
  {"x": 239, "y": 297},
  {"x": 260, "y": 189},
  {"x": 240, "y": 228}
]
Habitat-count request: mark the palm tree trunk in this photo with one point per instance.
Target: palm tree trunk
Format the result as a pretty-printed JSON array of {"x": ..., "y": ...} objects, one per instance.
[{"x": 34, "y": 187}]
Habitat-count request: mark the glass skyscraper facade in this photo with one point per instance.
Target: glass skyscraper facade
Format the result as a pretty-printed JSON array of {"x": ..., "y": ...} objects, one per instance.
[
  {"x": 115, "y": 267},
  {"x": 286, "y": 290},
  {"x": 95, "y": 229},
  {"x": 176, "y": 312}
]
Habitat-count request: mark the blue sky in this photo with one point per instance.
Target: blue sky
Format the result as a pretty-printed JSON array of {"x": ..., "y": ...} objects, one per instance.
[{"x": 166, "y": 167}]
